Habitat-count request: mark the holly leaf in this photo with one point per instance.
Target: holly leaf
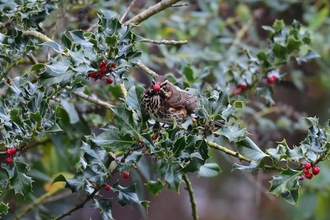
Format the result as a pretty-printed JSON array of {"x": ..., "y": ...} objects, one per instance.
[
  {"x": 20, "y": 181},
  {"x": 3, "y": 208},
  {"x": 249, "y": 149},
  {"x": 285, "y": 183},
  {"x": 133, "y": 101},
  {"x": 95, "y": 155},
  {"x": 126, "y": 195},
  {"x": 55, "y": 46},
  {"x": 209, "y": 170},
  {"x": 105, "y": 206},
  {"x": 311, "y": 54},
  {"x": 246, "y": 168},
  {"x": 113, "y": 140},
  {"x": 155, "y": 187},
  {"x": 291, "y": 196},
  {"x": 233, "y": 133},
  {"x": 125, "y": 121},
  {"x": 71, "y": 110}
]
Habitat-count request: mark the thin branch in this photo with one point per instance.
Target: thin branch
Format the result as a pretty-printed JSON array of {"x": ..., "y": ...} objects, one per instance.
[
  {"x": 146, "y": 69},
  {"x": 167, "y": 42},
  {"x": 191, "y": 196},
  {"x": 151, "y": 11},
  {"x": 37, "y": 35},
  {"x": 180, "y": 5},
  {"x": 90, "y": 99},
  {"x": 227, "y": 151},
  {"x": 127, "y": 11},
  {"x": 80, "y": 205},
  {"x": 240, "y": 35}
]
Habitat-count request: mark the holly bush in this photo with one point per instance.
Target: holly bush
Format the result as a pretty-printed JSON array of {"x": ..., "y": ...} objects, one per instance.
[{"x": 72, "y": 120}]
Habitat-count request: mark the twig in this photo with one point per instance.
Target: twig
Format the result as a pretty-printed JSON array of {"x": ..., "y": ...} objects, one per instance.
[
  {"x": 146, "y": 69},
  {"x": 37, "y": 35},
  {"x": 151, "y": 11},
  {"x": 180, "y": 5},
  {"x": 167, "y": 42},
  {"x": 191, "y": 196},
  {"x": 227, "y": 151},
  {"x": 127, "y": 11},
  {"x": 80, "y": 205},
  {"x": 90, "y": 99},
  {"x": 240, "y": 35}
]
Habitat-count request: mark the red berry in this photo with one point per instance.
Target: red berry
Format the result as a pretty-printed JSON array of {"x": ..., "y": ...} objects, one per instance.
[
  {"x": 9, "y": 160},
  {"x": 8, "y": 152},
  {"x": 307, "y": 166},
  {"x": 13, "y": 151},
  {"x": 126, "y": 175},
  {"x": 215, "y": 135},
  {"x": 112, "y": 158},
  {"x": 92, "y": 75},
  {"x": 107, "y": 187},
  {"x": 113, "y": 65},
  {"x": 109, "y": 80},
  {"x": 102, "y": 64},
  {"x": 271, "y": 79},
  {"x": 316, "y": 170},
  {"x": 104, "y": 70},
  {"x": 308, "y": 175},
  {"x": 305, "y": 171},
  {"x": 154, "y": 137},
  {"x": 242, "y": 86},
  {"x": 156, "y": 87},
  {"x": 302, "y": 178},
  {"x": 100, "y": 75}
]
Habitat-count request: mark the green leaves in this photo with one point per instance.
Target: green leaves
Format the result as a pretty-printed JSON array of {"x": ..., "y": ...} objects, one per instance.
[
  {"x": 17, "y": 176},
  {"x": 209, "y": 170},
  {"x": 127, "y": 195},
  {"x": 249, "y": 149},
  {"x": 287, "y": 185},
  {"x": 113, "y": 140},
  {"x": 105, "y": 206}
]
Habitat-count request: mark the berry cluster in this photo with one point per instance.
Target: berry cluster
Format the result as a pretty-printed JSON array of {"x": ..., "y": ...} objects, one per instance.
[
  {"x": 11, "y": 152},
  {"x": 310, "y": 171},
  {"x": 103, "y": 70},
  {"x": 243, "y": 86},
  {"x": 271, "y": 79}
]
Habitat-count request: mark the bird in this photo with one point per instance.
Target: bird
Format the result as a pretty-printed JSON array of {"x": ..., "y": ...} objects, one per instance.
[{"x": 166, "y": 103}]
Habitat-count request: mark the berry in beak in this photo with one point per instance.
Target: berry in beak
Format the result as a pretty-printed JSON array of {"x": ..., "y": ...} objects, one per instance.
[{"x": 156, "y": 87}]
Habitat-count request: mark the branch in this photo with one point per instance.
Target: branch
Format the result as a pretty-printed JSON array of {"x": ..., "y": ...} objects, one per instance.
[
  {"x": 127, "y": 11},
  {"x": 80, "y": 205},
  {"x": 167, "y": 42},
  {"x": 37, "y": 35},
  {"x": 90, "y": 99},
  {"x": 227, "y": 151},
  {"x": 192, "y": 197},
  {"x": 151, "y": 11},
  {"x": 146, "y": 69}
]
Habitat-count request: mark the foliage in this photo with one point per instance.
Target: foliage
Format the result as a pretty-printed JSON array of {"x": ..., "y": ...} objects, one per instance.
[{"x": 56, "y": 105}]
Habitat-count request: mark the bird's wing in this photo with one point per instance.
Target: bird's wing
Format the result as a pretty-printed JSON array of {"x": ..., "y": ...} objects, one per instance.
[{"x": 180, "y": 99}]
